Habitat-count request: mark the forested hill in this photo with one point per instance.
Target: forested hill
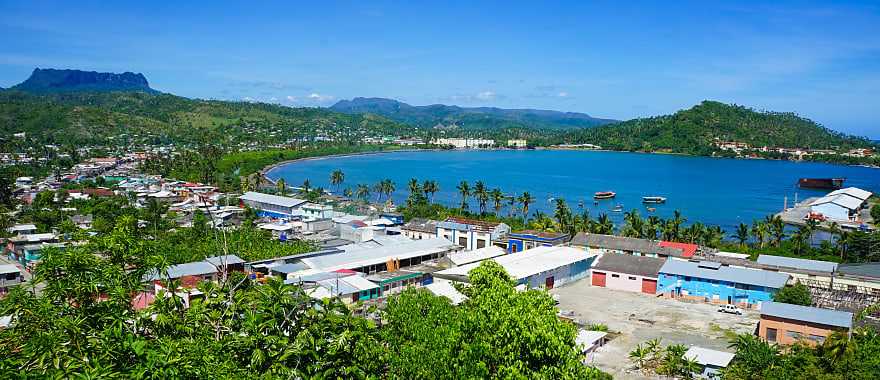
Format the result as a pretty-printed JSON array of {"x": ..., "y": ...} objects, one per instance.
[
  {"x": 123, "y": 117},
  {"x": 465, "y": 117},
  {"x": 693, "y": 131}
]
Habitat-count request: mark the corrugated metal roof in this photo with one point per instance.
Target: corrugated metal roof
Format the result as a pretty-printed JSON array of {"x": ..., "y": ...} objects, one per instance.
[
  {"x": 356, "y": 258},
  {"x": 444, "y": 288},
  {"x": 481, "y": 254},
  {"x": 271, "y": 199},
  {"x": 807, "y": 314},
  {"x": 227, "y": 260},
  {"x": 629, "y": 264},
  {"x": 756, "y": 277},
  {"x": 843, "y": 200},
  {"x": 198, "y": 268},
  {"x": 529, "y": 262},
  {"x": 622, "y": 243},
  {"x": 864, "y": 270},
  {"x": 793, "y": 262},
  {"x": 9, "y": 268},
  {"x": 705, "y": 356},
  {"x": 854, "y": 192}
]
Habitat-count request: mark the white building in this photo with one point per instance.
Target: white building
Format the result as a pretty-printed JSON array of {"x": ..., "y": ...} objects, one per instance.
[
  {"x": 710, "y": 361},
  {"x": 841, "y": 205},
  {"x": 517, "y": 144},
  {"x": 464, "y": 143},
  {"x": 271, "y": 205},
  {"x": 543, "y": 266},
  {"x": 472, "y": 234},
  {"x": 418, "y": 229}
]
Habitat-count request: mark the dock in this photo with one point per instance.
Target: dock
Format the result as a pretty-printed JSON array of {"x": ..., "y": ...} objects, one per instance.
[{"x": 794, "y": 216}]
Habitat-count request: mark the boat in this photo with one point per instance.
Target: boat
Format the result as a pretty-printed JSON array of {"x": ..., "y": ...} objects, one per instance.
[
  {"x": 604, "y": 195},
  {"x": 653, "y": 199},
  {"x": 821, "y": 183},
  {"x": 651, "y": 209},
  {"x": 618, "y": 208}
]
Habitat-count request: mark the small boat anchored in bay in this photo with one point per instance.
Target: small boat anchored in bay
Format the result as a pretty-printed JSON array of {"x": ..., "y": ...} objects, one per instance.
[
  {"x": 653, "y": 199},
  {"x": 604, "y": 195}
]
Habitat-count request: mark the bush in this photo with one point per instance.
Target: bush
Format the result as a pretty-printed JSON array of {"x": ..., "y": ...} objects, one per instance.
[{"x": 797, "y": 294}]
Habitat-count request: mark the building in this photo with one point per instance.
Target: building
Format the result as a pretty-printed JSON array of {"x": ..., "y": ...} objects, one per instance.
[
  {"x": 797, "y": 263},
  {"x": 841, "y": 205},
  {"x": 467, "y": 257},
  {"x": 443, "y": 288},
  {"x": 629, "y": 273},
  {"x": 472, "y": 234},
  {"x": 540, "y": 267},
  {"x": 528, "y": 239},
  {"x": 22, "y": 229},
  {"x": 517, "y": 144},
  {"x": 346, "y": 285},
  {"x": 10, "y": 275},
  {"x": 711, "y": 361},
  {"x": 206, "y": 270},
  {"x": 600, "y": 244},
  {"x": 784, "y": 324},
  {"x": 370, "y": 258},
  {"x": 713, "y": 282},
  {"x": 396, "y": 281},
  {"x": 463, "y": 143},
  {"x": 273, "y": 206},
  {"x": 418, "y": 229}
]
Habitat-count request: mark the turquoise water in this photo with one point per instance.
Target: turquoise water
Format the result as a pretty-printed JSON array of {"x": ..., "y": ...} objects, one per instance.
[{"x": 713, "y": 191}]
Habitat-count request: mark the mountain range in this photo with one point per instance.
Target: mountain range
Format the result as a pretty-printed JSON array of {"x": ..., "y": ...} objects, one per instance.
[
  {"x": 54, "y": 80},
  {"x": 445, "y": 116}
]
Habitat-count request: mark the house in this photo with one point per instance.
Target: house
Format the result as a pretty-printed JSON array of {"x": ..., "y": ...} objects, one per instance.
[
  {"x": 472, "y": 234},
  {"x": 590, "y": 341},
  {"x": 784, "y": 324},
  {"x": 396, "y": 281},
  {"x": 600, "y": 244},
  {"x": 22, "y": 229},
  {"x": 418, "y": 229},
  {"x": 538, "y": 267},
  {"x": 206, "y": 270},
  {"x": 373, "y": 258},
  {"x": 26, "y": 248},
  {"x": 841, "y": 205},
  {"x": 629, "y": 273},
  {"x": 82, "y": 221},
  {"x": 317, "y": 211},
  {"x": 528, "y": 239},
  {"x": 444, "y": 288},
  {"x": 10, "y": 275},
  {"x": 711, "y": 361},
  {"x": 350, "y": 288},
  {"x": 713, "y": 282},
  {"x": 281, "y": 231},
  {"x": 273, "y": 206}
]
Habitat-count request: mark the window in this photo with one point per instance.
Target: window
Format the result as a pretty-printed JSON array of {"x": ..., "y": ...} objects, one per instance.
[
  {"x": 794, "y": 335},
  {"x": 481, "y": 243},
  {"x": 817, "y": 338},
  {"x": 631, "y": 278},
  {"x": 615, "y": 276},
  {"x": 771, "y": 335}
]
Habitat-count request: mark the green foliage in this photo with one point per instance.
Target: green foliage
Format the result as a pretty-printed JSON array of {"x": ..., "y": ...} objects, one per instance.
[
  {"x": 497, "y": 333},
  {"x": 249, "y": 243},
  {"x": 875, "y": 212},
  {"x": 797, "y": 294}
]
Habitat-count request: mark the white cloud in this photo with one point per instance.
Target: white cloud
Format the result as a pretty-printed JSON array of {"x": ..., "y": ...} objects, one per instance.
[
  {"x": 562, "y": 94},
  {"x": 486, "y": 95},
  {"x": 316, "y": 97},
  {"x": 248, "y": 99},
  {"x": 291, "y": 98}
]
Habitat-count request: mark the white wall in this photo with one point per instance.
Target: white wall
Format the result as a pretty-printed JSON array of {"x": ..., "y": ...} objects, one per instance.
[
  {"x": 623, "y": 281},
  {"x": 832, "y": 211}
]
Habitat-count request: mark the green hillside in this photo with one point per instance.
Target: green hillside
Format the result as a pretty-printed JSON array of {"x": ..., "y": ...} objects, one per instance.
[
  {"x": 139, "y": 117},
  {"x": 694, "y": 130}
]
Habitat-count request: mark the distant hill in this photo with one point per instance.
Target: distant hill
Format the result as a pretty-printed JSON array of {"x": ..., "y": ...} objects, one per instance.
[
  {"x": 138, "y": 117},
  {"x": 693, "y": 131},
  {"x": 43, "y": 81},
  {"x": 467, "y": 117}
]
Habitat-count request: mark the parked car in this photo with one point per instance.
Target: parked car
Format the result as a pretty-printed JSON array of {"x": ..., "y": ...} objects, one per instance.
[{"x": 730, "y": 309}]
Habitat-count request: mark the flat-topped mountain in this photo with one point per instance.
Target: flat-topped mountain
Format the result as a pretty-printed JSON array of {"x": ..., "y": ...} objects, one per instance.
[
  {"x": 53, "y": 80},
  {"x": 467, "y": 117}
]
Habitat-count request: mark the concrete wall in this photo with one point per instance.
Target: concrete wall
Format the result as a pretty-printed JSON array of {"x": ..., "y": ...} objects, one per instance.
[
  {"x": 561, "y": 275},
  {"x": 466, "y": 239},
  {"x": 623, "y": 281},
  {"x": 791, "y": 331}
]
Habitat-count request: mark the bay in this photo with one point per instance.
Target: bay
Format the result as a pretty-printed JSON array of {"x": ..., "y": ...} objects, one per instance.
[{"x": 714, "y": 191}]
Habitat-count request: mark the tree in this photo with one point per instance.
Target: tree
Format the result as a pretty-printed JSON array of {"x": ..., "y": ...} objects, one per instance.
[
  {"x": 362, "y": 192},
  {"x": 282, "y": 187},
  {"x": 742, "y": 234},
  {"x": 875, "y": 212},
  {"x": 306, "y": 187},
  {"x": 464, "y": 189},
  {"x": 337, "y": 177},
  {"x": 525, "y": 200},
  {"x": 497, "y": 200},
  {"x": 430, "y": 188},
  {"x": 797, "y": 294},
  {"x": 482, "y": 195}
]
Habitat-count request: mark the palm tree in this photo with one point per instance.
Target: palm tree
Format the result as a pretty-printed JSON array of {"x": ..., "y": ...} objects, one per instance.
[
  {"x": 362, "y": 192},
  {"x": 525, "y": 200},
  {"x": 604, "y": 226},
  {"x": 497, "y": 200},
  {"x": 742, "y": 234},
  {"x": 760, "y": 232},
  {"x": 482, "y": 195},
  {"x": 282, "y": 187},
  {"x": 777, "y": 228},
  {"x": 306, "y": 186},
  {"x": 347, "y": 192},
  {"x": 562, "y": 213},
  {"x": 634, "y": 224},
  {"x": 677, "y": 221},
  {"x": 379, "y": 188},
  {"x": 810, "y": 228},
  {"x": 388, "y": 187},
  {"x": 465, "y": 190},
  {"x": 337, "y": 177},
  {"x": 430, "y": 187},
  {"x": 799, "y": 238}
]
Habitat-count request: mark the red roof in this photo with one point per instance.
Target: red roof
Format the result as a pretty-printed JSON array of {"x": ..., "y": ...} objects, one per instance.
[
  {"x": 142, "y": 300},
  {"x": 345, "y": 271},
  {"x": 687, "y": 249}
]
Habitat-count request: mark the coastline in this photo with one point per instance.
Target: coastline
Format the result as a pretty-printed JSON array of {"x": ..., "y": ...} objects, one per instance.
[{"x": 265, "y": 171}]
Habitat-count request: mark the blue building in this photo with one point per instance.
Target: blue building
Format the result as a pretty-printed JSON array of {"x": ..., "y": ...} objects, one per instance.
[
  {"x": 528, "y": 239},
  {"x": 273, "y": 206},
  {"x": 713, "y": 282}
]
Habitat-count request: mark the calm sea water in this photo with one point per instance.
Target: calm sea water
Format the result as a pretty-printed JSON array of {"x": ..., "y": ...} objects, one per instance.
[{"x": 713, "y": 191}]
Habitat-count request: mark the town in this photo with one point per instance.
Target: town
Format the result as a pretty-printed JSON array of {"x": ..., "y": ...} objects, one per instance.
[{"x": 620, "y": 291}]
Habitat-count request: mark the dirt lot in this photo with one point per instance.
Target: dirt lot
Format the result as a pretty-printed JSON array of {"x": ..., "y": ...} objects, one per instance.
[{"x": 640, "y": 317}]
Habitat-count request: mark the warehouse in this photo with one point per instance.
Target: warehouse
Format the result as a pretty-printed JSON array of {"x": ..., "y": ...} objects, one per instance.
[
  {"x": 537, "y": 267},
  {"x": 841, "y": 205},
  {"x": 713, "y": 282},
  {"x": 783, "y": 323},
  {"x": 272, "y": 206},
  {"x": 627, "y": 272}
]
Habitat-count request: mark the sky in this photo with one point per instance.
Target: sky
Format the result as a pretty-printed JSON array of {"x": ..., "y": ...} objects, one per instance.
[{"x": 820, "y": 60}]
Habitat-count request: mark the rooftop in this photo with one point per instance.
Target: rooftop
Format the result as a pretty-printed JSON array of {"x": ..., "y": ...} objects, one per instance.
[
  {"x": 462, "y": 258},
  {"x": 529, "y": 262},
  {"x": 352, "y": 258},
  {"x": 477, "y": 225},
  {"x": 271, "y": 199},
  {"x": 854, "y": 192},
  {"x": 793, "y": 262},
  {"x": 756, "y": 277},
  {"x": 629, "y": 264},
  {"x": 9, "y": 268},
  {"x": 843, "y": 200},
  {"x": 444, "y": 288},
  {"x": 539, "y": 234},
  {"x": 622, "y": 243},
  {"x": 705, "y": 356},
  {"x": 807, "y": 314}
]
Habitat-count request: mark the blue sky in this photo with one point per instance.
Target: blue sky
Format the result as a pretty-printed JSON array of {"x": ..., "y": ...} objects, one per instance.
[{"x": 609, "y": 60}]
